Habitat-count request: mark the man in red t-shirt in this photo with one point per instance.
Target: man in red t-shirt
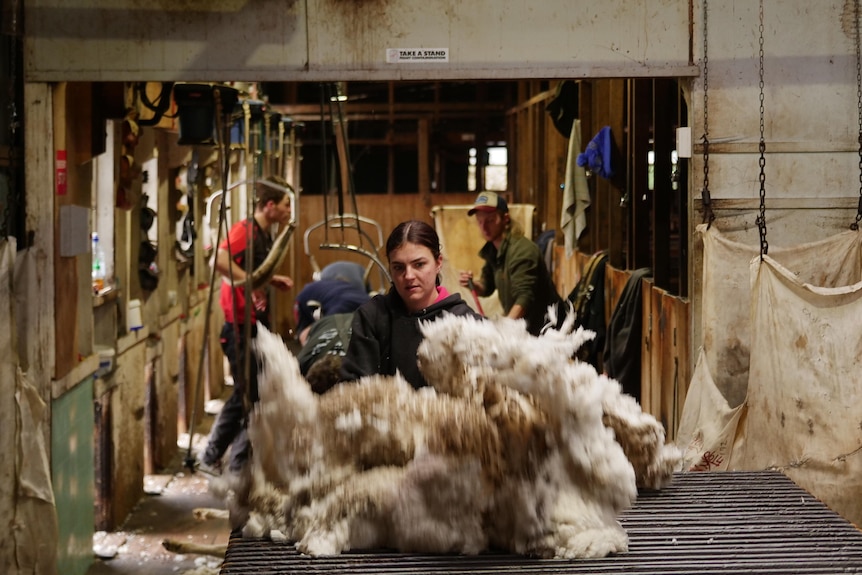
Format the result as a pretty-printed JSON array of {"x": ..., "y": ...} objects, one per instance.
[{"x": 272, "y": 207}]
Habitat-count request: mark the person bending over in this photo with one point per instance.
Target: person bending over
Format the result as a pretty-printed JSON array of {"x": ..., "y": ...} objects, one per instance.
[
  {"x": 323, "y": 311},
  {"x": 322, "y": 298}
]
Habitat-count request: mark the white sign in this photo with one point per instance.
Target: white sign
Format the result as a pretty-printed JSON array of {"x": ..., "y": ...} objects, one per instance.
[{"x": 396, "y": 55}]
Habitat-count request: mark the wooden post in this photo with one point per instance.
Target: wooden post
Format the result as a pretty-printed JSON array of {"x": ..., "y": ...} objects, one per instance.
[{"x": 424, "y": 184}]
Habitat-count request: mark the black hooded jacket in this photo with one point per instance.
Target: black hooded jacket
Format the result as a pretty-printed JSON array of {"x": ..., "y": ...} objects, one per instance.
[{"x": 386, "y": 336}]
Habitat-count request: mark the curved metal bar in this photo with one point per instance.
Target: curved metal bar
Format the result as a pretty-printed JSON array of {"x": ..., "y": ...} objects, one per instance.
[
  {"x": 208, "y": 203},
  {"x": 356, "y": 249},
  {"x": 342, "y": 222},
  {"x": 274, "y": 259},
  {"x": 348, "y": 221}
]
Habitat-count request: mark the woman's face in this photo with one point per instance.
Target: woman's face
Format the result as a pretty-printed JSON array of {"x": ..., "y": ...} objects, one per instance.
[{"x": 414, "y": 272}]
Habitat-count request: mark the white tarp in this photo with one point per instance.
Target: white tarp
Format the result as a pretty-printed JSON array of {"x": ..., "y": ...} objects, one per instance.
[
  {"x": 834, "y": 261},
  {"x": 778, "y": 383},
  {"x": 707, "y": 427},
  {"x": 805, "y": 386}
]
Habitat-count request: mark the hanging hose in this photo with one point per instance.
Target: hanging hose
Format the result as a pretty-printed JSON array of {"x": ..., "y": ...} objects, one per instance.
[
  {"x": 332, "y": 99},
  {"x": 264, "y": 272},
  {"x": 220, "y": 130}
]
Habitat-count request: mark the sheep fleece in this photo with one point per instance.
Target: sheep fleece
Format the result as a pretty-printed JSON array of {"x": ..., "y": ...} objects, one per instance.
[{"x": 513, "y": 446}]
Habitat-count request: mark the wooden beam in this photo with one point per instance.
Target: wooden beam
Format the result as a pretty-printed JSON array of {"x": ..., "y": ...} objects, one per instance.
[
  {"x": 537, "y": 99},
  {"x": 664, "y": 136},
  {"x": 67, "y": 300},
  {"x": 640, "y": 254},
  {"x": 747, "y": 204},
  {"x": 424, "y": 184},
  {"x": 617, "y": 222},
  {"x": 393, "y": 110}
]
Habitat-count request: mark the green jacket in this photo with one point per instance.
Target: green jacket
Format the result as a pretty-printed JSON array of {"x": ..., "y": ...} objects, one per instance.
[{"x": 518, "y": 273}]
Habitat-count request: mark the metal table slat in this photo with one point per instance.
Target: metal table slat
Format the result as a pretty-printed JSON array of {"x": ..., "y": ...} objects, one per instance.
[{"x": 706, "y": 523}]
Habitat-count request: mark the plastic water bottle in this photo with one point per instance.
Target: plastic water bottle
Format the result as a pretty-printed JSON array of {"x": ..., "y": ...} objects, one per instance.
[{"x": 98, "y": 265}]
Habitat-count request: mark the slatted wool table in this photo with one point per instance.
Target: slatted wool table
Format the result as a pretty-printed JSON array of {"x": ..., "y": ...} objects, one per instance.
[{"x": 704, "y": 523}]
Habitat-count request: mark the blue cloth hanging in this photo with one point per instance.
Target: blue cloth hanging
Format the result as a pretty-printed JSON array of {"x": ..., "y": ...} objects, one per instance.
[{"x": 597, "y": 156}]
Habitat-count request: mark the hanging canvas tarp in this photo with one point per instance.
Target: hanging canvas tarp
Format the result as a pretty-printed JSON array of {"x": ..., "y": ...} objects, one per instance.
[
  {"x": 708, "y": 425},
  {"x": 805, "y": 385},
  {"x": 834, "y": 261},
  {"x": 32, "y": 544},
  {"x": 778, "y": 383}
]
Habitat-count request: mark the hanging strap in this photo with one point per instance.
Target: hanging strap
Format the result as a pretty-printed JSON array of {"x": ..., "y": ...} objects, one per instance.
[
  {"x": 223, "y": 136},
  {"x": 706, "y": 200},
  {"x": 761, "y": 219}
]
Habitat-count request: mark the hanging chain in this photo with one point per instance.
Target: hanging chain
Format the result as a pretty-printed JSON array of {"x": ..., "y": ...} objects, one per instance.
[
  {"x": 761, "y": 219},
  {"x": 7, "y": 208},
  {"x": 706, "y": 200},
  {"x": 855, "y": 225}
]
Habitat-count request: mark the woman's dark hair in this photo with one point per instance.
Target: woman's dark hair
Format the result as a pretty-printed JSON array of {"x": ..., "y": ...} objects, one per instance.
[{"x": 413, "y": 232}]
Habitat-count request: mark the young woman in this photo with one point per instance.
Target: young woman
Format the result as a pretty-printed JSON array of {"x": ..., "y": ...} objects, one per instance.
[{"x": 386, "y": 331}]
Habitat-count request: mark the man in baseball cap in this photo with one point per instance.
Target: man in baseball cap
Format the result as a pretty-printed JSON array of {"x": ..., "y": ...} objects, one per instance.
[
  {"x": 489, "y": 202},
  {"x": 514, "y": 266}
]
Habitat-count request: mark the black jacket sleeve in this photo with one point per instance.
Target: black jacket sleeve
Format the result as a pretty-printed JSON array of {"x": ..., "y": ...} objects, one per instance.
[{"x": 368, "y": 350}]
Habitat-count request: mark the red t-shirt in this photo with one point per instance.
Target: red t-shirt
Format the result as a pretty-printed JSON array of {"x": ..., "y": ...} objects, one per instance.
[{"x": 237, "y": 237}]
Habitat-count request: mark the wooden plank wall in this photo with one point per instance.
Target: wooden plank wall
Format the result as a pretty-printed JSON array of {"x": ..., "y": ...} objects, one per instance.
[
  {"x": 615, "y": 281},
  {"x": 567, "y": 272},
  {"x": 603, "y": 103},
  {"x": 665, "y": 356},
  {"x": 388, "y": 210},
  {"x": 73, "y": 301},
  {"x": 538, "y": 154},
  {"x": 539, "y": 150},
  {"x": 665, "y": 353}
]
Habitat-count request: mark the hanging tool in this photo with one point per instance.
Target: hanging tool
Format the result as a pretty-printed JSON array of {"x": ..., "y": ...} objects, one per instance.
[
  {"x": 344, "y": 193},
  {"x": 222, "y": 131}
]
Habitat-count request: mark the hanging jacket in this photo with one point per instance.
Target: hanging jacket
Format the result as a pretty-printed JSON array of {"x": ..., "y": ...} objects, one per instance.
[
  {"x": 588, "y": 302},
  {"x": 622, "y": 352}
]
